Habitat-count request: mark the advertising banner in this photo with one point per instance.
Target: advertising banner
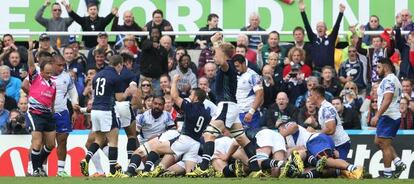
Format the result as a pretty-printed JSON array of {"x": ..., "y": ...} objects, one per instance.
[
  {"x": 190, "y": 15},
  {"x": 14, "y": 154}
]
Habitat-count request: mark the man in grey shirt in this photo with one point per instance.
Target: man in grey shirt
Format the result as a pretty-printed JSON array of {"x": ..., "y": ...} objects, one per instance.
[{"x": 56, "y": 23}]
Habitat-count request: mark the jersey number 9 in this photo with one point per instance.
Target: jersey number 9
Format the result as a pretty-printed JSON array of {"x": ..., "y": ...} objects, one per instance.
[{"x": 199, "y": 124}]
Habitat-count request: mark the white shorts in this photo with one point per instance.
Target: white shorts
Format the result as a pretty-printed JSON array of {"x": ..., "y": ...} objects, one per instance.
[
  {"x": 222, "y": 145},
  {"x": 125, "y": 113},
  {"x": 227, "y": 112},
  {"x": 267, "y": 137},
  {"x": 182, "y": 163},
  {"x": 104, "y": 121},
  {"x": 169, "y": 135},
  {"x": 186, "y": 147}
]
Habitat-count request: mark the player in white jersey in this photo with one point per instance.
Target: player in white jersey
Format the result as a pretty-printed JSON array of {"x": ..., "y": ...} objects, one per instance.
[
  {"x": 249, "y": 95},
  {"x": 330, "y": 123},
  {"x": 153, "y": 122},
  {"x": 320, "y": 146},
  {"x": 65, "y": 88},
  {"x": 387, "y": 118}
]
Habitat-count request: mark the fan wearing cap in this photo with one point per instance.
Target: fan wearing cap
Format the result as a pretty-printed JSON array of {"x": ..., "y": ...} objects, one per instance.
[
  {"x": 56, "y": 23},
  {"x": 44, "y": 46},
  {"x": 102, "y": 40},
  {"x": 92, "y": 22}
]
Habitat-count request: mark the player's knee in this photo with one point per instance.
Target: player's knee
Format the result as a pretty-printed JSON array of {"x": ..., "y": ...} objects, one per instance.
[
  {"x": 237, "y": 134},
  {"x": 211, "y": 132}
]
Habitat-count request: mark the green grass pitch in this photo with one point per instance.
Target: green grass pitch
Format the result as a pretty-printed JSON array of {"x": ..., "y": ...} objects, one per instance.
[{"x": 82, "y": 180}]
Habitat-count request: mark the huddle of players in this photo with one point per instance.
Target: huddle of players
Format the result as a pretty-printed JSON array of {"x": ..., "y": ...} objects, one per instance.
[{"x": 271, "y": 153}]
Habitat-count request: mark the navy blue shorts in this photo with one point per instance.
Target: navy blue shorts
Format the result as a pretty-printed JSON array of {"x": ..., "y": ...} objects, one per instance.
[
  {"x": 387, "y": 127},
  {"x": 320, "y": 144},
  {"x": 41, "y": 122},
  {"x": 63, "y": 122},
  {"x": 343, "y": 150}
]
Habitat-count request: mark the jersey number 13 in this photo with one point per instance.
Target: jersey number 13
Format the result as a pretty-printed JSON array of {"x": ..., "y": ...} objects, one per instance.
[{"x": 100, "y": 86}]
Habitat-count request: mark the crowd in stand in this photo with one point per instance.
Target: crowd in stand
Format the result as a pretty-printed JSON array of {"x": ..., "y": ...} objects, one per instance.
[
  {"x": 280, "y": 87},
  {"x": 347, "y": 74}
]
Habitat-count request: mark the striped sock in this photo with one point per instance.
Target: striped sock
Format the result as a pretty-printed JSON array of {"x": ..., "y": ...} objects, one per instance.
[
  {"x": 91, "y": 151},
  {"x": 351, "y": 167},
  {"x": 113, "y": 155},
  {"x": 61, "y": 165}
]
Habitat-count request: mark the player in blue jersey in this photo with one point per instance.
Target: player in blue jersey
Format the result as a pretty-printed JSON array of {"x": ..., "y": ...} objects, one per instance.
[
  {"x": 186, "y": 146},
  {"x": 124, "y": 108},
  {"x": 227, "y": 115},
  {"x": 105, "y": 123}
]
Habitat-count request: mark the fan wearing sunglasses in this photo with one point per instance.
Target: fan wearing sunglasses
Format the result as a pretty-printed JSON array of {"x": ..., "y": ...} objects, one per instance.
[{"x": 55, "y": 23}]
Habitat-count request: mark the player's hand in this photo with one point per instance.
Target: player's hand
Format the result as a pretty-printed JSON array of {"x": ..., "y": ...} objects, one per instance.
[
  {"x": 248, "y": 118},
  {"x": 47, "y": 3},
  {"x": 341, "y": 8},
  {"x": 301, "y": 5},
  {"x": 349, "y": 78},
  {"x": 374, "y": 121}
]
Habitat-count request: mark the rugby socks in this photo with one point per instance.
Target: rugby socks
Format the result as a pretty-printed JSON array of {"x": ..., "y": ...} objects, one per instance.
[
  {"x": 397, "y": 161},
  {"x": 387, "y": 172},
  {"x": 91, "y": 151},
  {"x": 351, "y": 167},
  {"x": 36, "y": 163},
  {"x": 250, "y": 150},
  {"x": 312, "y": 161},
  {"x": 208, "y": 151},
  {"x": 131, "y": 146},
  {"x": 271, "y": 163},
  {"x": 229, "y": 171},
  {"x": 44, "y": 153},
  {"x": 61, "y": 165},
  {"x": 152, "y": 158},
  {"x": 134, "y": 164},
  {"x": 311, "y": 174},
  {"x": 96, "y": 159},
  {"x": 112, "y": 156}
]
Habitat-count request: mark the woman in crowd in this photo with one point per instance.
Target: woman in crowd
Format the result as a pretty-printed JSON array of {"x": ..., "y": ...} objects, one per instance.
[
  {"x": 296, "y": 56},
  {"x": 350, "y": 96}
]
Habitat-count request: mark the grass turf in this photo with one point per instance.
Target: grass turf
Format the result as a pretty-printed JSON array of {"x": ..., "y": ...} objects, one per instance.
[{"x": 81, "y": 180}]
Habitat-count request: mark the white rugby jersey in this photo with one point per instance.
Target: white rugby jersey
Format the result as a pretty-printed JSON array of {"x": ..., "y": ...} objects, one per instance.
[
  {"x": 64, "y": 84},
  {"x": 247, "y": 84},
  {"x": 150, "y": 126},
  {"x": 327, "y": 112},
  {"x": 299, "y": 138},
  {"x": 390, "y": 84}
]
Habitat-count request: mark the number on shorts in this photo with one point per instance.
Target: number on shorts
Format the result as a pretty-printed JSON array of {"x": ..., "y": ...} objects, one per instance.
[
  {"x": 199, "y": 124},
  {"x": 100, "y": 86}
]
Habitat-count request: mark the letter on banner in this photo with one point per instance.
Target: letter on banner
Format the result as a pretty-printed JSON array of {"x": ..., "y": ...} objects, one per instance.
[
  {"x": 8, "y": 18},
  {"x": 188, "y": 21}
]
